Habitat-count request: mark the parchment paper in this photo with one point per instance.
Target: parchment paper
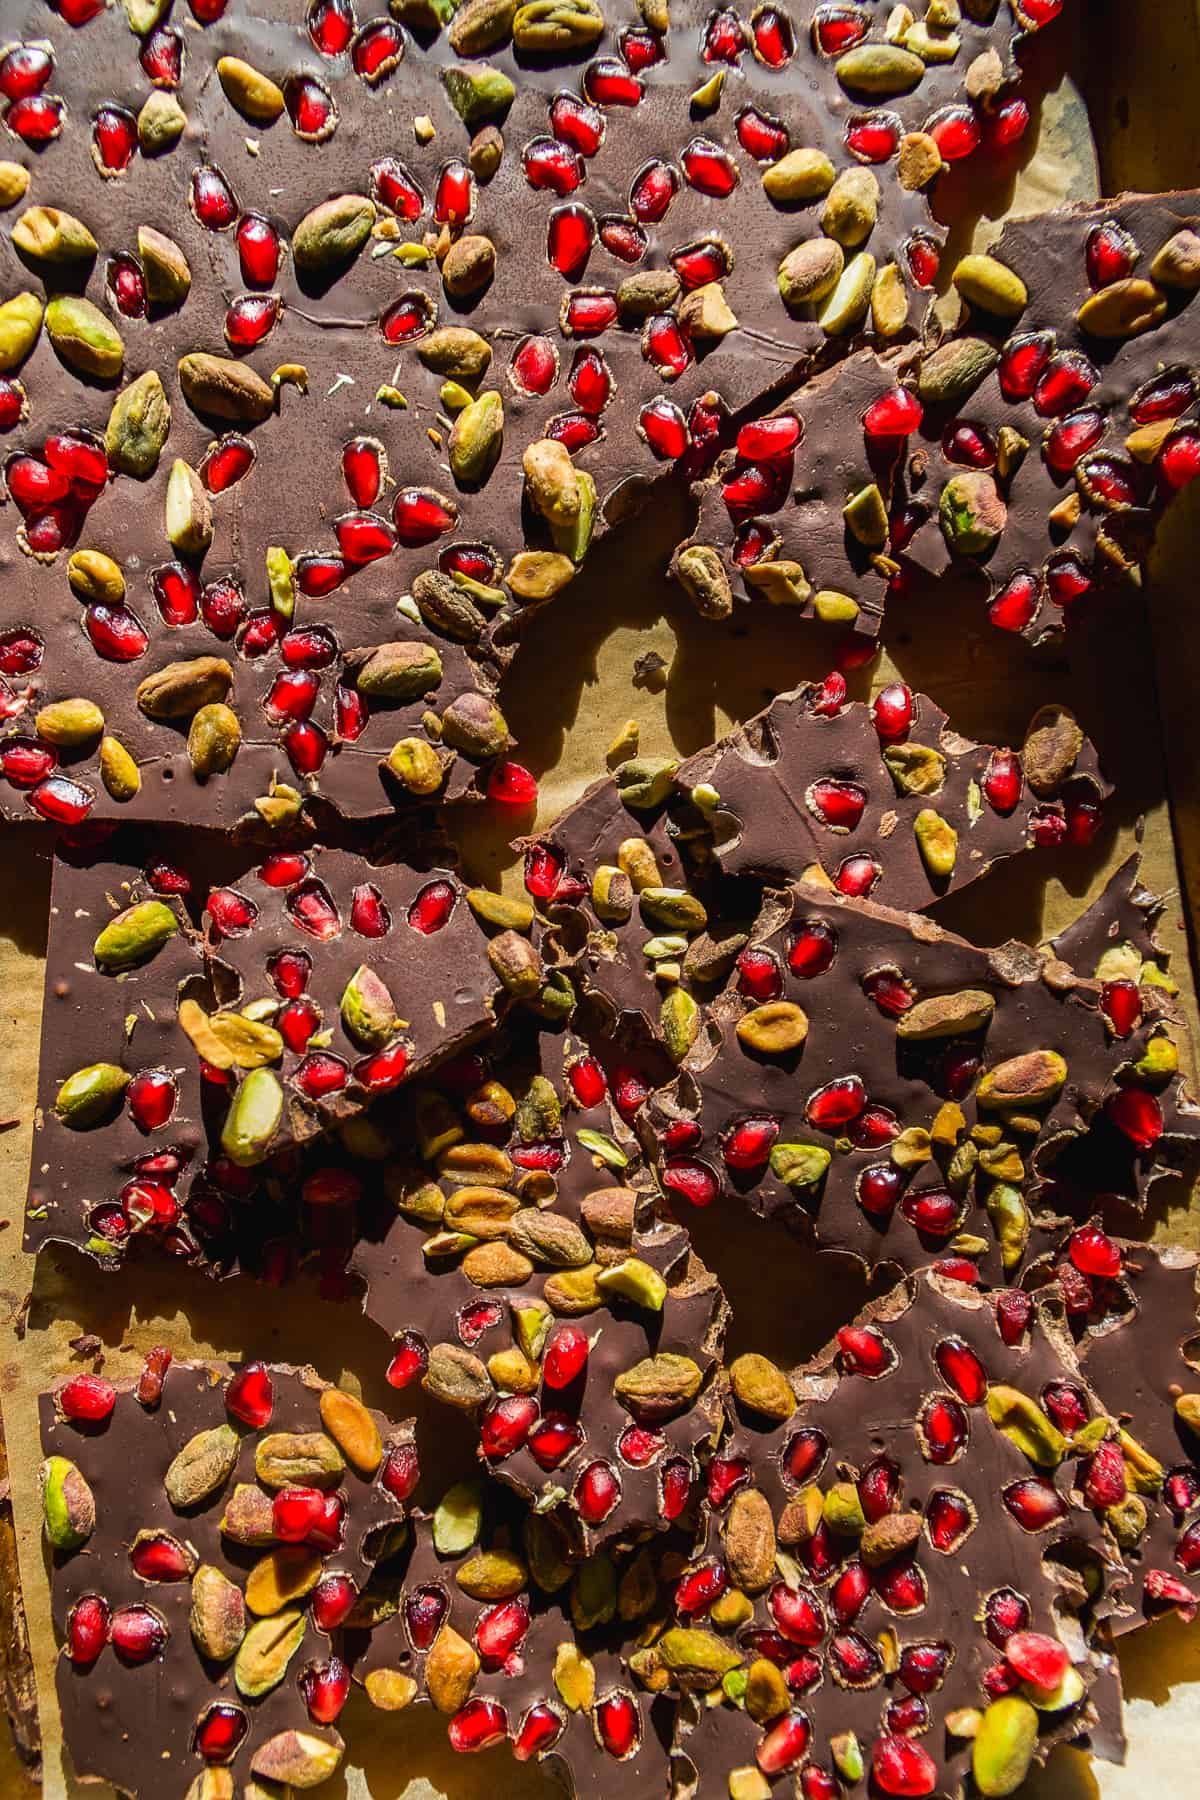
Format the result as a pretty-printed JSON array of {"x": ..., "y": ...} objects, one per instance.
[{"x": 1133, "y": 688}]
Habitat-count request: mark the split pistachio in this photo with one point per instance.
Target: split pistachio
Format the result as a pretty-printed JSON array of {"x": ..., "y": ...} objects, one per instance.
[
  {"x": 68, "y": 1504},
  {"x": 298, "y": 1758},
  {"x": 189, "y": 519}
]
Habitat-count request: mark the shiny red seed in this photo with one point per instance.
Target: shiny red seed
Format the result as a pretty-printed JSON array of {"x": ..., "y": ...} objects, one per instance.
[
  {"x": 424, "y": 1611},
  {"x": 377, "y": 50},
  {"x": 853, "y": 1661},
  {"x": 259, "y": 250},
  {"x": 250, "y": 319},
  {"x": 608, "y": 83},
  {"x": 551, "y": 167},
  {"x": 553, "y": 1439},
  {"x": 864, "y": 1350},
  {"x": 231, "y": 458},
  {"x": 127, "y": 284},
  {"x": 114, "y": 139},
  {"x": 624, "y": 239},
  {"x": 924, "y": 260},
  {"x": 1121, "y": 1004},
  {"x": 160, "y": 1558},
  {"x": 573, "y": 121},
  {"x": 709, "y": 169},
  {"x": 948, "y": 1519},
  {"x": 838, "y": 28},
  {"x": 1013, "y": 608},
  {"x": 33, "y": 485},
  {"x": 618, "y": 1725},
  {"x": 901, "y": 1767},
  {"x": 506, "y": 1426},
  {"x": 534, "y": 365},
  {"x": 664, "y": 427},
  {"x": 565, "y": 1356},
  {"x": 87, "y": 1399},
  {"x": 961, "y": 1369},
  {"x": 638, "y": 1445},
  {"x": 223, "y": 606},
  {"x": 1023, "y": 362},
  {"x": 665, "y": 347},
  {"x": 748, "y": 1145},
  {"x": 597, "y": 1492},
  {"x": 290, "y": 972},
  {"x": 1038, "y": 1658},
  {"x": 432, "y": 908},
  {"x": 770, "y": 440},
  {"x": 212, "y": 198},
  {"x": 320, "y": 1074},
  {"x": 1179, "y": 461},
  {"x": 874, "y": 137},
  {"x": 652, "y": 192},
  {"x": 296, "y": 1023},
  {"x": 1137, "y": 1115},
  {"x": 13, "y": 402},
  {"x": 176, "y": 590},
  {"x": 406, "y": 319},
  {"x": 219, "y": 1731},
  {"x": 410, "y": 1359},
  {"x": 588, "y": 314},
  {"x": 836, "y": 1104},
  {"x": 331, "y": 26},
  {"x": 137, "y": 1633},
  {"x": 759, "y": 974},
  {"x": 362, "y": 470},
  {"x": 784, "y": 1744},
  {"x": 934, "y": 1212},
  {"x": 325, "y": 1689},
  {"x": 641, "y": 49},
  {"x": 1187, "y": 1550},
  {"x": 838, "y": 804},
  {"x": 250, "y": 1396},
  {"x": 890, "y": 992},
  {"x": 151, "y": 1097},
  {"x": 879, "y": 1189},
  {"x": 587, "y": 1082},
  {"x": 1181, "y": 1490},
  {"x": 313, "y": 910},
  {"x": 724, "y": 37},
  {"x": 333, "y": 1600},
  {"x": 115, "y": 633},
  {"x": 675, "y": 1488},
  {"x": 37, "y": 119},
  {"x": 856, "y": 876},
  {"x": 420, "y": 515},
  {"x": 477, "y": 1319},
  {"x": 956, "y": 131},
  {"x": 317, "y": 576},
  {"x": 1064, "y": 384},
  {"x": 501, "y": 1630},
  {"x": 363, "y": 537},
  {"x": 774, "y": 44},
  {"x": 1034, "y": 1503},
  {"x": 1104, "y": 1479},
  {"x": 61, "y": 801},
  {"x": 761, "y": 136},
  {"x": 25, "y": 69},
  {"x": 87, "y": 1629},
  {"x": 570, "y": 234},
  {"x": 968, "y": 445},
  {"x": 1093, "y": 1252},
  {"x": 310, "y": 108},
  {"x": 24, "y": 761},
  {"x": 943, "y": 1429},
  {"x": 699, "y": 1589},
  {"x": 539, "y": 1731},
  {"x": 1111, "y": 254},
  {"x": 812, "y": 949}
]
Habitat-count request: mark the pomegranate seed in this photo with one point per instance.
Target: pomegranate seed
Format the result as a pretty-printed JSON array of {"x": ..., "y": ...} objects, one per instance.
[
  {"x": 933, "y": 1212},
  {"x": 761, "y": 136},
  {"x": 943, "y": 1430},
  {"x": 1038, "y": 1659},
  {"x": 724, "y": 37},
  {"x": 597, "y": 1493},
  {"x": 836, "y": 1104},
  {"x": 477, "y": 1726},
  {"x": 565, "y": 1356},
  {"x": 226, "y": 463},
  {"x": 475, "y": 1321},
  {"x": 675, "y": 1489},
  {"x": 333, "y": 1601},
  {"x": 432, "y": 908},
  {"x": 1104, "y": 1479},
  {"x": 312, "y": 909},
  {"x": 212, "y": 199},
  {"x": 36, "y": 119},
  {"x": 709, "y": 169},
  {"x": 539, "y": 1731},
  {"x": 890, "y": 992},
  {"x": 24, "y": 761},
  {"x": 849, "y": 1593},
  {"x": 699, "y": 1589},
  {"x": 87, "y": 1629},
  {"x": 421, "y": 515},
  {"x": 638, "y": 1445},
  {"x": 961, "y": 1369},
  {"x": 154, "y": 1371},
  {"x": 406, "y": 319},
  {"x": 1065, "y": 383},
  {"x": 1005, "y": 1611},
  {"x": 590, "y": 381},
  {"x": 1034, "y": 1503},
  {"x": 759, "y": 975},
  {"x": 1094, "y": 1253},
  {"x": 618, "y": 1725},
  {"x": 331, "y": 26},
  {"x": 774, "y": 44},
  {"x": 665, "y": 346},
  {"x": 574, "y": 122},
  {"x": 726, "y": 1476},
  {"x": 401, "y": 1471},
  {"x": 506, "y": 1426},
  {"x": 692, "y": 1180},
  {"x": 1111, "y": 254},
  {"x": 13, "y": 403},
  {"x": 1179, "y": 461},
  {"x": 160, "y": 1558},
  {"x": 424, "y": 1611},
  {"x": 232, "y": 913},
  {"x": 1187, "y": 1550},
  {"x": 874, "y": 137},
  {"x": 896, "y": 414},
  {"x": 534, "y": 366},
  {"x": 784, "y": 1745},
  {"x": 554, "y": 1438},
  {"x": 114, "y": 139},
  {"x": 587, "y": 1081},
  {"x": 879, "y": 1189},
  {"x": 570, "y": 234},
  {"x": 377, "y": 50},
  {"x": 652, "y": 192},
  {"x": 748, "y": 1145},
  {"x": 151, "y": 1097},
  {"x": 1162, "y": 1588},
  {"x": 25, "y": 69},
  {"x": 1008, "y": 124},
  {"x": 33, "y": 485},
  {"x": 127, "y": 285},
  {"x": 664, "y": 428},
  {"x": 551, "y": 167},
  {"x": 608, "y": 83},
  {"x": 837, "y": 804},
  {"x": 325, "y": 1689},
  {"x": 1164, "y": 396},
  {"x": 1015, "y": 605},
  {"x": 137, "y": 1633},
  {"x": 61, "y": 801},
  {"x": 813, "y": 949},
  {"x": 250, "y": 1396},
  {"x": 956, "y": 131},
  {"x": 948, "y": 1520},
  {"x": 501, "y": 1630},
  {"x": 864, "y": 1351},
  {"x": 1137, "y": 1115},
  {"x": 251, "y": 318},
  {"x": 587, "y": 314},
  {"x": 838, "y": 28},
  {"x": 899, "y": 1766},
  {"x": 259, "y": 250},
  {"x": 296, "y": 1023},
  {"x": 219, "y": 1731},
  {"x": 853, "y": 1661},
  {"x": 310, "y": 108},
  {"x": 161, "y": 56},
  {"x": 87, "y": 1399}
]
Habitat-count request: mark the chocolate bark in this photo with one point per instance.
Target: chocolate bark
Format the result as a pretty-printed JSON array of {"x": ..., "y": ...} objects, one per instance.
[
  {"x": 918, "y": 1495},
  {"x": 337, "y": 323},
  {"x": 123, "y": 1717},
  {"x": 893, "y": 1091}
]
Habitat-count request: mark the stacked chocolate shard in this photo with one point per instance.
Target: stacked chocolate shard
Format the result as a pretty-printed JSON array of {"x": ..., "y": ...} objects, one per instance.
[{"x": 507, "y": 270}]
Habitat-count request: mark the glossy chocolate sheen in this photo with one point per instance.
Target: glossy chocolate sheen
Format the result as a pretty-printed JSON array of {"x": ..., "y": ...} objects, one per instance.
[
  {"x": 122, "y": 1721},
  {"x": 768, "y": 820},
  {"x": 871, "y": 1424},
  {"x": 1038, "y": 1005},
  {"x": 328, "y": 328}
]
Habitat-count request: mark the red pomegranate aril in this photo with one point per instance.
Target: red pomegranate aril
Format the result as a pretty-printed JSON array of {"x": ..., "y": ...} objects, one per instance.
[
  {"x": 87, "y": 1629},
  {"x": 608, "y": 83},
  {"x": 1068, "y": 579},
  {"x": 665, "y": 346},
  {"x": 310, "y": 108},
  {"x": 652, "y": 192},
  {"x": 476, "y": 1320},
  {"x": 259, "y": 250},
  {"x": 501, "y": 1630},
  {"x": 232, "y": 913},
  {"x": 1071, "y": 438},
  {"x": 901, "y": 1767},
  {"x": 640, "y": 49},
  {"x": 250, "y": 1396},
  {"x": 1016, "y": 603},
  {"x": 749, "y": 1144},
  {"x": 151, "y": 1097},
  {"x": 376, "y": 51},
  {"x": 774, "y": 44},
  {"x": 1065, "y": 383},
  {"x": 551, "y": 167},
  {"x": 61, "y": 801},
  {"x": 176, "y": 591},
  {"x": 1094, "y": 1253},
  {"x": 296, "y": 1022},
  {"x": 363, "y": 537},
  {"x": 770, "y": 440},
  {"x": 1104, "y": 1480},
  {"x": 597, "y": 1493},
  {"x": 665, "y": 429},
  {"x": 115, "y": 633},
  {"x": 212, "y": 198},
  {"x": 969, "y": 445},
  {"x": 1162, "y": 1588},
  {"x": 36, "y": 118},
  {"x": 761, "y": 136},
  {"x": 864, "y": 1351},
  {"x": 539, "y": 1731},
  {"x": 223, "y": 606},
  {"x": 924, "y": 260},
  {"x": 849, "y": 1593},
  {"x": 709, "y": 169},
  {"x": 1111, "y": 254},
  {"x": 759, "y": 975},
  {"x": 534, "y": 365},
  {"x": 948, "y": 1519},
  {"x": 160, "y": 1558},
  {"x": 114, "y": 139},
  {"x": 836, "y": 1104},
  {"x": 33, "y": 485},
  {"x": 692, "y": 1180},
  {"x": 784, "y": 1745},
  {"x": 1137, "y": 1115},
  {"x": 137, "y": 1633},
  {"x": 161, "y": 56},
  {"x": 838, "y": 28},
  {"x": 424, "y": 1610},
  {"x": 1187, "y": 1550},
  {"x": 1165, "y": 396},
  {"x": 874, "y": 137},
  {"x": 934, "y": 1212},
  {"x": 420, "y": 515},
  {"x": 813, "y": 949},
  {"x": 576, "y": 123},
  {"x": 699, "y": 1589},
  {"x": 675, "y": 1489},
  {"x": 1034, "y": 1503},
  {"x": 250, "y": 319},
  {"x": 1038, "y": 1658},
  {"x": 226, "y": 463},
  {"x": 25, "y": 69},
  {"x": 1181, "y": 1490},
  {"x": 565, "y": 1356},
  {"x": 798, "y": 1613},
  {"x": 890, "y": 992},
  {"x": 942, "y": 1429},
  {"x": 1007, "y": 124},
  {"x": 588, "y": 314},
  {"x": 401, "y": 1471},
  {"x": 590, "y": 382},
  {"x": 856, "y": 876},
  {"x": 13, "y": 403},
  {"x": 879, "y": 1189},
  {"x": 838, "y": 804},
  {"x": 618, "y": 1725},
  {"x": 587, "y": 1081},
  {"x": 956, "y": 131},
  {"x": 325, "y": 1689},
  {"x": 853, "y": 1661},
  {"x": 362, "y": 470},
  {"x": 127, "y": 285},
  {"x": 292, "y": 695},
  {"x": 406, "y": 319},
  {"x": 1178, "y": 462},
  {"x": 477, "y": 1726},
  {"x": 1121, "y": 1004},
  {"x": 961, "y": 1369},
  {"x": 24, "y": 761},
  {"x": 87, "y": 1399},
  {"x": 570, "y": 234},
  {"x": 333, "y": 1600},
  {"x": 312, "y": 909},
  {"x": 283, "y": 868},
  {"x": 506, "y": 1426},
  {"x": 331, "y": 26},
  {"x": 219, "y": 1731},
  {"x": 1005, "y": 1611},
  {"x": 638, "y": 1445},
  {"x": 724, "y": 37},
  {"x": 432, "y": 908},
  {"x": 1002, "y": 781},
  {"x": 554, "y": 1438}
]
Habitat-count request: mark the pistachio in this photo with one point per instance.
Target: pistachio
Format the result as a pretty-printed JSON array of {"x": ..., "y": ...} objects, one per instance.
[
  {"x": 298, "y": 1459},
  {"x": 416, "y": 765},
  {"x": 214, "y": 739},
  {"x": 458, "y": 1518},
  {"x": 134, "y": 936},
  {"x": 1051, "y": 749},
  {"x": 697, "y": 1660},
  {"x": 552, "y": 481},
  {"x": 68, "y": 1504},
  {"x": 879, "y": 71},
  {"x": 889, "y": 302},
  {"x": 493, "y": 1265},
  {"x": 762, "y": 1387},
  {"x": 842, "y": 1510},
  {"x": 189, "y": 521},
  {"x": 612, "y": 894},
  {"x": 679, "y": 1023},
  {"x": 469, "y": 265},
  {"x": 1177, "y": 264},
  {"x": 1187, "y": 1411},
  {"x": 138, "y": 426},
  {"x": 476, "y": 439},
  {"x": 95, "y": 576},
  {"x": 539, "y": 574},
  {"x": 400, "y": 671},
  {"x": 919, "y": 161},
  {"x": 1031, "y": 1079},
  {"x": 773, "y": 1029},
  {"x": 69, "y": 724},
  {"x": 1010, "y": 1221},
  {"x": 218, "y": 1614},
  {"x": 229, "y": 1040},
  {"x": 557, "y": 25},
  {"x": 803, "y": 174},
  {"x": 83, "y": 337},
  {"x": 248, "y": 1517},
  {"x": 253, "y": 1119},
  {"x": 332, "y": 234},
  {"x": 508, "y": 911},
  {"x": 165, "y": 267},
  {"x": 46, "y": 234},
  {"x": 201, "y": 1467},
  {"x": 478, "y": 94},
  {"x": 705, "y": 315},
  {"x": 391, "y": 1690},
  {"x": 298, "y": 1758},
  {"x": 161, "y": 123},
  {"x": 636, "y": 1281},
  {"x": 971, "y": 513},
  {"x": 834, "y": 608},
  {"x": 989, "y": 285},
  {"x": 799, "y": 1165},
  {"x": 280, "y": 1578},
  {"x": 254, "y": 94},
  {"x": 118, "y": 770},
  {"x": 456, "y": 1378},
  {"x": 947, "y": 1015},
  {"x": 480, "y": 25},
  {"x": 180, "y": 689},
  {"x": 915, "y": 768},
  {"x": 701, "y": 573},
  {"x": 1124, "y": 309},
  {"x": 1004, "y": 1746},
  {"x": 866, "y": 517},
  {"x": 659, "y": 1387},
  {"x": 750, "y": 1541},
  {"x": 952, "y": 372},
  {"x": 450, "y": 1670},
  {"x": 845, "y": 308},
  {"x": 20, "y": 322},
  {"x": 367, "y": 1009},
  {"x": 574, "y": 1677},
  {"x": 550, "y": 1240},
  {"x": 648, "y": 292},
  {"x": 1023, "y": 1422},
  {"x": 475, "y": 725},
  {"x": 352, "y": 1429},
  {"x": 1128, "y": 1520},
  {"x": 221, "y": 388},
  {"x": 90, "y": 1095},
  {"x": 644, "y": 782},
  {"x": 573, "y": 1292},
  {"x": 14, "y": 184},
  {"x": 457, "y": 351},
  {"x": 937, "y": 842},
  {"x": 810, "y": 271},
  {"x": 492, "y": 1575},
  {"x": 517, "y": 964},
  {"x": 888, "y": 1537},
  {"x": 851, "y": 208}
]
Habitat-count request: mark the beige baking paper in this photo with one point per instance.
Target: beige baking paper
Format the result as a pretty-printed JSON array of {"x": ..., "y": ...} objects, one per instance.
[{"x": 1134, "y": 691}]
